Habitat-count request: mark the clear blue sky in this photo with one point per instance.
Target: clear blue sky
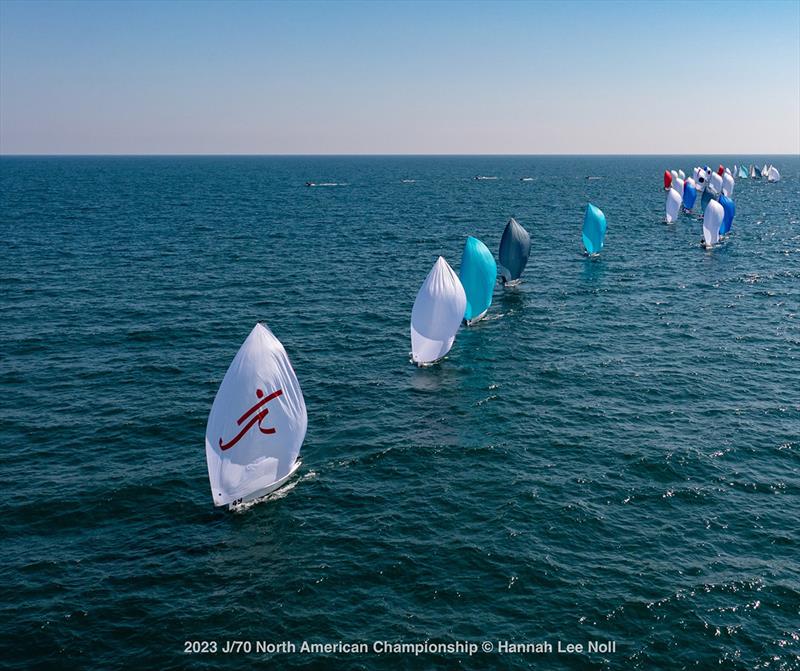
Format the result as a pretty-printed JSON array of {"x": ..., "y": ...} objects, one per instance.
[{"x": 399, "y": 77}]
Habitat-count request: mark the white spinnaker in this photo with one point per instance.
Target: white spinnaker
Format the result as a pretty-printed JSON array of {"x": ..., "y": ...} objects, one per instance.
[
  {"x": 712, "y": 219},
  {"x": 682, "y": 174},
  {"x": 674, "y": 174},
  {"x": 715, "y": 183},
  {"x": 437, "y": 313},
  {"x": 773, "y": 175},
  {"x": 257, "y": 422},
  {"x": 727, "y": 184},
  {"x": 677, "y": 184},
  {"x": 673, "y": 205}
]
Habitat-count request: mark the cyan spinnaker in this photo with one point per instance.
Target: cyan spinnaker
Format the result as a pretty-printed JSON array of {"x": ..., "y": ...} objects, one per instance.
[
  {"x": 689, "y": 193},
  {"x": 742, "y": 172},
  {"x": 673, "y": 206},
  {"x": 478, "y": 274},
  {"x": 515, "y": 247},
  {"x": 712, "y": 220},
  {"x": 729, "y": 208},
  {"x": 594, "y": 229}
]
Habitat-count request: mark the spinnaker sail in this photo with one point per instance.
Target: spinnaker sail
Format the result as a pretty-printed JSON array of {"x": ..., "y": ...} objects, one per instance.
[
  {"x": 727, "y": 184},
  {"x": 515, "y": 247},
  {"x": 673, "y": 206},
  {"x": 478, "y": 274},
  {"x": 729, "y": 209},
  {"x": 689, "y": 193},
  {"x": 773, "y": 175},
  {"x": 437, "y": 314},
  {"x": 594, "y": 229},
  {"x": 712, "y": 219},
  {"x": 257, "y": 422}
]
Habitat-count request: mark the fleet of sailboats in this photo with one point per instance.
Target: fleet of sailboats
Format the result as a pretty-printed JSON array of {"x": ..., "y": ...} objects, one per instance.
[{"x": 257, "y": 423}]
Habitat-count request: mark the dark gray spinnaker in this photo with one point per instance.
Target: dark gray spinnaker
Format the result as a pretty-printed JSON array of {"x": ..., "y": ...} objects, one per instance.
[{"x": 515, "y": 246}]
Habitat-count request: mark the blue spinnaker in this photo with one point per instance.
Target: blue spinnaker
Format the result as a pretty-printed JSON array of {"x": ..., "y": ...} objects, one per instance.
[
  {"x": 515, "y": 247},
  {"x": 689, "y": 195},
  {"x": 594, "y": 229},
  {"x": 730, "y": 212},
  {"x": 478, "y": 274}
]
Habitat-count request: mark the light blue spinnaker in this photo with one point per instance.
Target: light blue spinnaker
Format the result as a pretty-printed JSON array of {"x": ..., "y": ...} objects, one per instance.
[
  {"x": 742, "y": 172},
  {"x": 594, "y": 229},
  {"x": 478, "y": 274}
]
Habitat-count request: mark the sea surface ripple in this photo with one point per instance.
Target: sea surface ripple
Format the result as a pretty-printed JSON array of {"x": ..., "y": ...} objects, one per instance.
[{"x": 613, "y": 454}]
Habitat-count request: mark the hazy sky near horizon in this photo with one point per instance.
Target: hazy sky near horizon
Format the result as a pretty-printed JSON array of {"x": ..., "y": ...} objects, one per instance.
[{"x": 399, "y": 77}]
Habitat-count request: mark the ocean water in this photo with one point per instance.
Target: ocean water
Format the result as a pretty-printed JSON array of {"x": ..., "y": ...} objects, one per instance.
[{"x": 612, "y": 455}]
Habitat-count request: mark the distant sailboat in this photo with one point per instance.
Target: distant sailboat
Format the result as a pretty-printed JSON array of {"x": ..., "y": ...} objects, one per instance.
[
  {"x": 729, "y": 209},
  {"x": 515, "y": 247},
  {"x": 689, "y": 194},
  {"x": 478, "y": 274},
  {"x": 594, "y": 229},
  {"x": 257, "y": 423},
  {"x": 773, "y": 175},
  {"x": 712, "y": 220},
  {"x": 715, "y": 183},
  {"x": 437, "y": 314},
  {"x": 742, "y": 172},
  {"x": 705, "y": 199},
  {"x": 727, "y": 184},
  {"x": 673, "y": 206}
]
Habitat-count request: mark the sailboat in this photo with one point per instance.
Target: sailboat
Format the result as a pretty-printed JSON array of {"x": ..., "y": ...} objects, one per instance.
[
  {"x": 715, "y": 184},
  {"x": 712, "y": 220},
  {"x": 594, "y": 229},
  {"x": 515, "y": 247},
  {"x": 257, "y": 423},
  {"x": 773, "y": 175},
  {"x": 437, "y": 314},
  {"x": 742, "y": 172},
  {"x": 478, "y": 274},
  {"x": 689, "y": 194},
  {"x": 728, "y": 184},
  {"x": 673, "y": 206},
  {"x": 729, "y": 209}
]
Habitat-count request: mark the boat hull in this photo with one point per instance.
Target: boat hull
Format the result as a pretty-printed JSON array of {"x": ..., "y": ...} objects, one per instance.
[
  {"x": 470, "y": 322},
  {"x": 261, "y": 493}
]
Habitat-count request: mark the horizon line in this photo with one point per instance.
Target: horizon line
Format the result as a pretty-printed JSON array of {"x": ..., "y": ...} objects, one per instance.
[{"x": 364, "y": 155}]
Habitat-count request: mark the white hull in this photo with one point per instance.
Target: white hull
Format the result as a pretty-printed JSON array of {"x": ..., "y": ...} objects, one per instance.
[
  {"x": 470, "y": 322},
  {"x": 267, "y": 490}
]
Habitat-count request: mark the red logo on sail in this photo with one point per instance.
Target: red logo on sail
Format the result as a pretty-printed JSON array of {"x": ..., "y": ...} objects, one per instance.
[{"x": 256, "y": 414}]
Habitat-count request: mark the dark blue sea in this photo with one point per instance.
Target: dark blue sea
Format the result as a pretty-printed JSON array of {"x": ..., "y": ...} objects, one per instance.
[{"x": 612, "y": 455}]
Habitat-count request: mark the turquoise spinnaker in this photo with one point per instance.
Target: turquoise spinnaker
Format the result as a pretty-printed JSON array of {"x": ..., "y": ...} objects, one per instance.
[
  {"x": 594, "y": 229},
  {"x": 478, "y": 274}
]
